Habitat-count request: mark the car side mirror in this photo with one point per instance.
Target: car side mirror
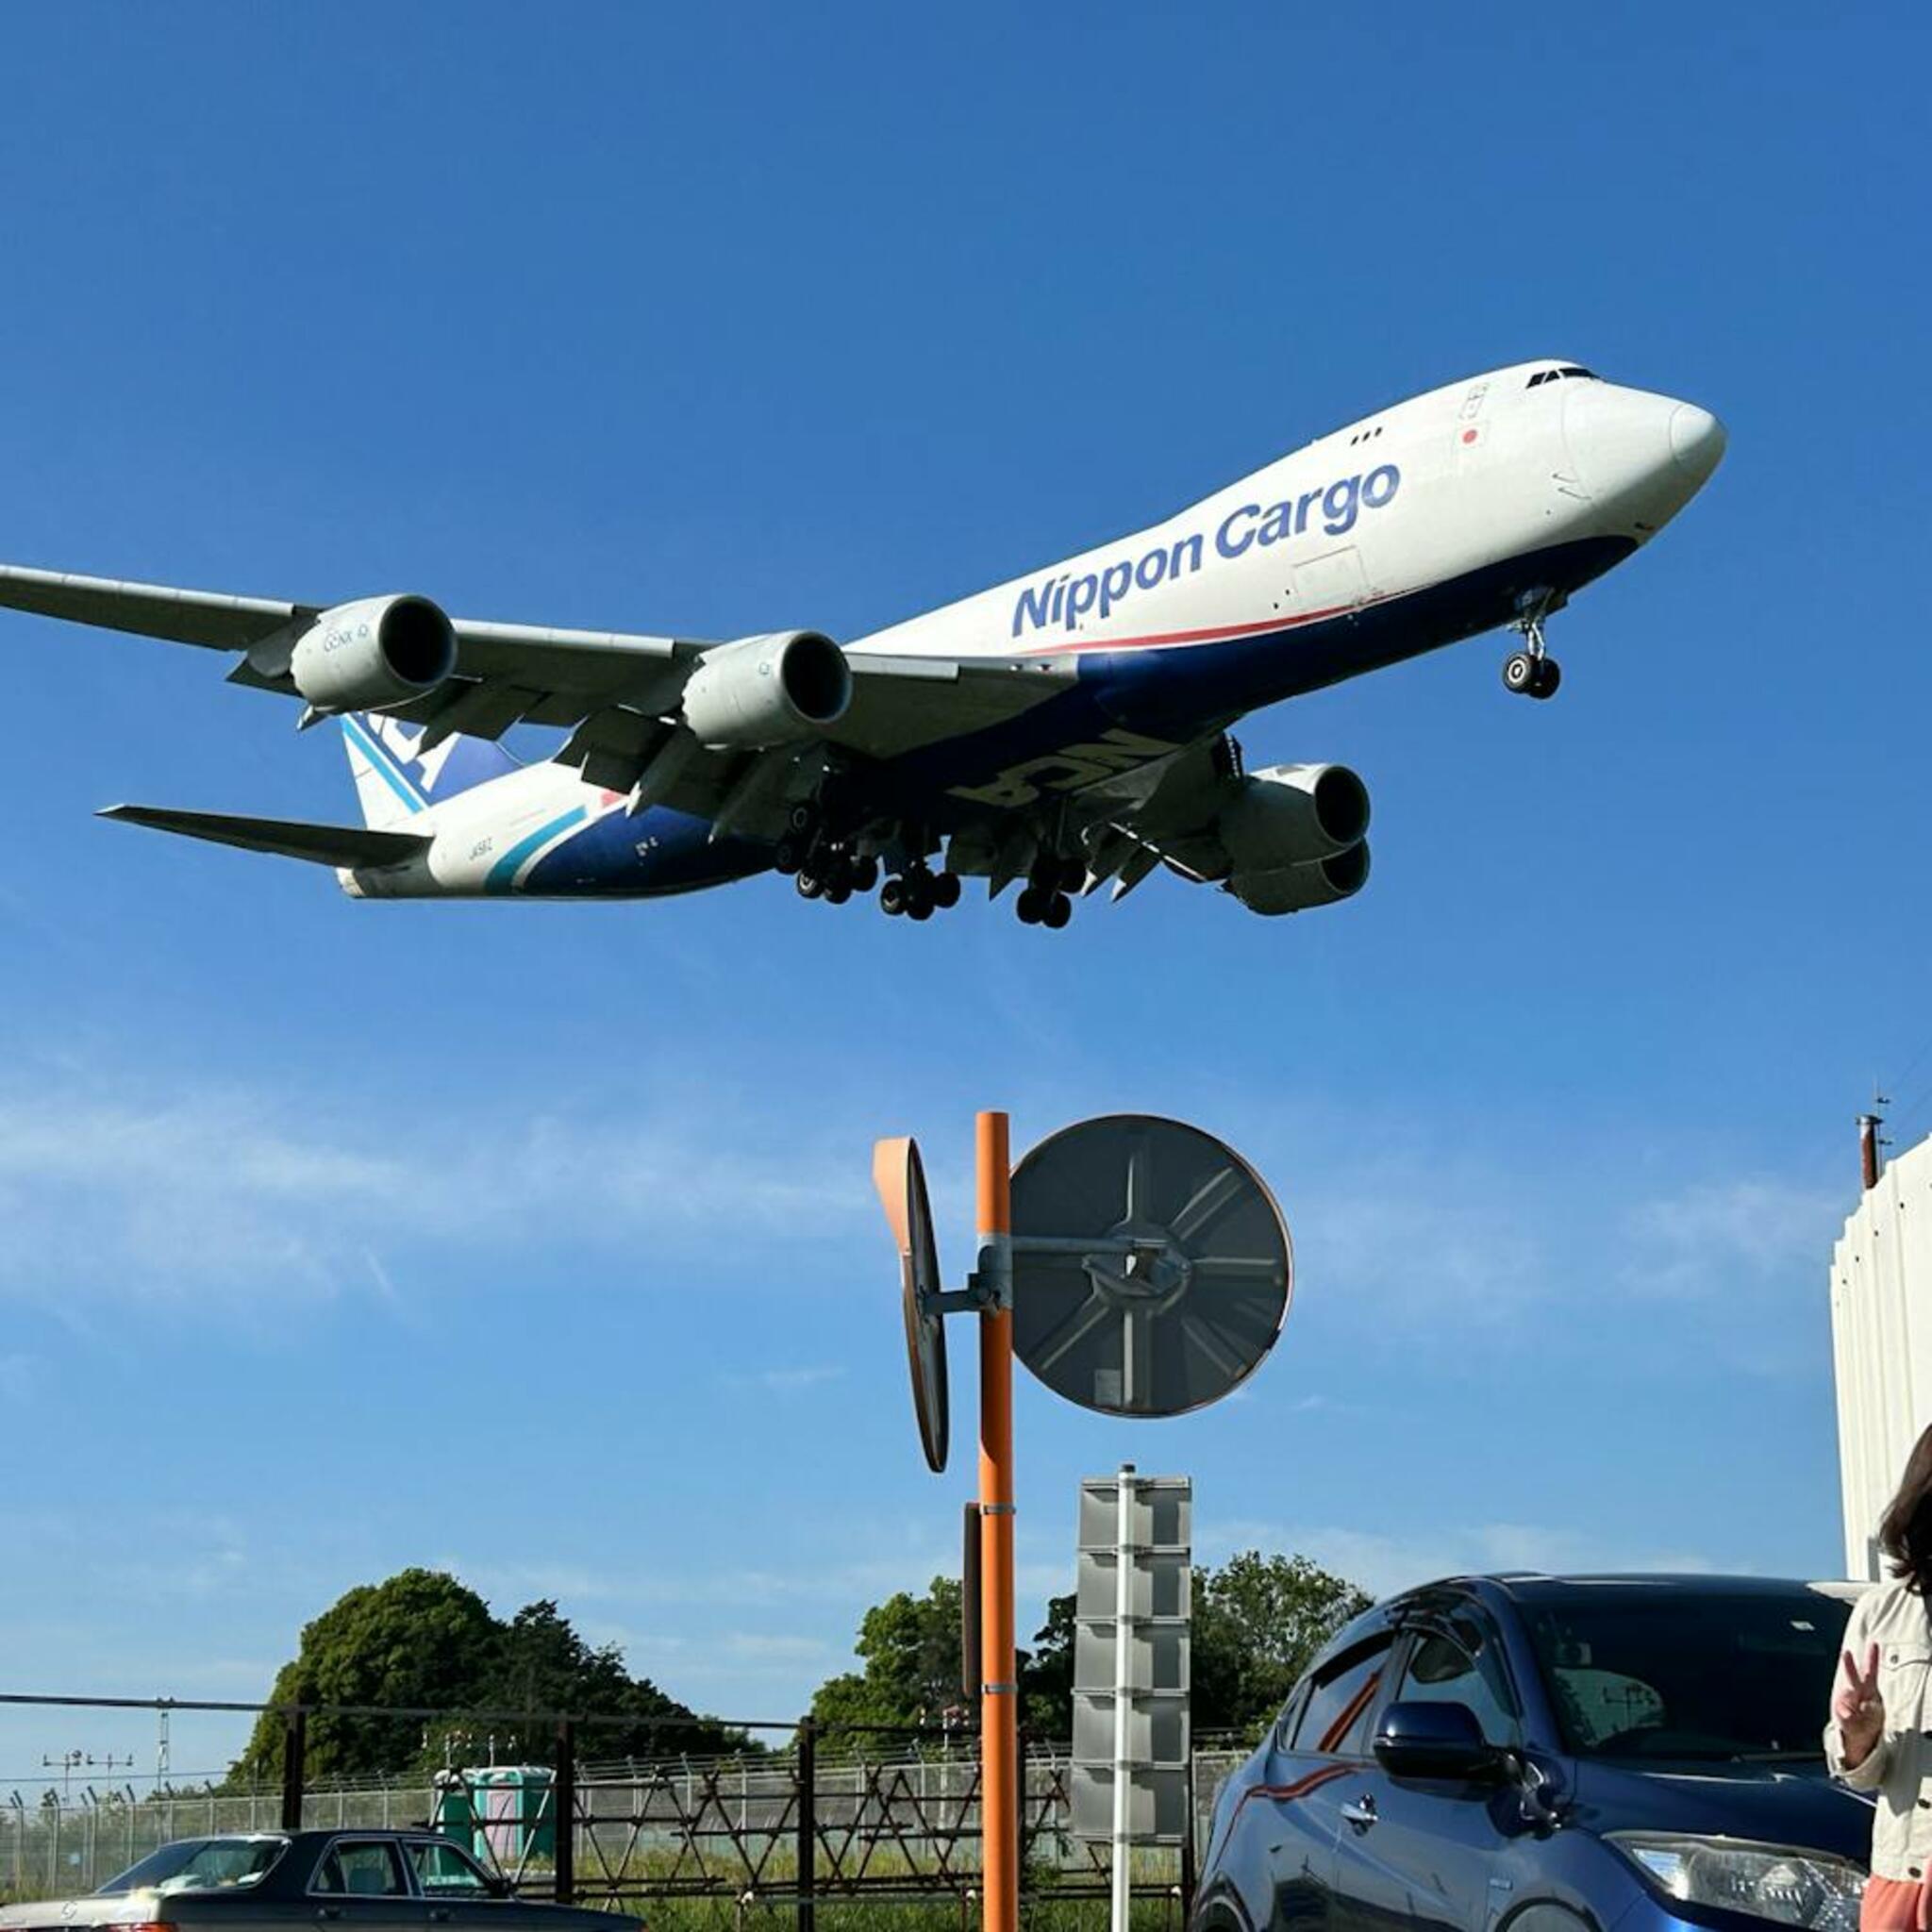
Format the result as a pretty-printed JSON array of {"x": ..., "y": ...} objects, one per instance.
[{"x": 1429, "y": 1740}]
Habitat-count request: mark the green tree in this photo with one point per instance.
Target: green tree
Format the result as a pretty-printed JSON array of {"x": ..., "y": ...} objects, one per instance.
[
  {"x": 909, "y": 1646},
  {"x": 1257, "y": 1622},
  {"x": 425, "y": 1642},
  {"x": 1046, "y": 1676},
  {"x": 421, "y": 1640},
  {"x": 546, "y": 1666}
]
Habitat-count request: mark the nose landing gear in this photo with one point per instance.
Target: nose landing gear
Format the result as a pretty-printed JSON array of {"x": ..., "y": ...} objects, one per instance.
[{"x": 1533, "y": 673}]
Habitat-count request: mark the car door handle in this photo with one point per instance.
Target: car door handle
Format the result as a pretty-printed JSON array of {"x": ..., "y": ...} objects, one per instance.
[
  {"x": 440, "y": 1915},
  {"x": 1361, "y": 1814}
]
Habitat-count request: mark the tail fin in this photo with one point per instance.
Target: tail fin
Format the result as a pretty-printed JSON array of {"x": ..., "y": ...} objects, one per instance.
[{"x": 396, "y": 778}]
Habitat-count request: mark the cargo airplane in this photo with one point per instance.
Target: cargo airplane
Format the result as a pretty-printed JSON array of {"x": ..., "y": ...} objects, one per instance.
[{"x": 1065, "y": 730}]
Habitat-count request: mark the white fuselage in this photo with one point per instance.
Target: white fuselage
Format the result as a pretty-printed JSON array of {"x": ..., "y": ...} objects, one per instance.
[{"x": 1426, "y": 521}]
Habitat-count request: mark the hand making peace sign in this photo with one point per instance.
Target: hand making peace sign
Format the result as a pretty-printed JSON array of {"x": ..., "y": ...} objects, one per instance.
[{"x": 1858, "y": 1707}]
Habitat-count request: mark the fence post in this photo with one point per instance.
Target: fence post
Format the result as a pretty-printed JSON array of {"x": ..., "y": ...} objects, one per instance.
[
  {"x": 563, "y": 1811},
  {"x": 295, "y": 1767},
  {"x": 807, "y": 1825},
  {"x": 1188, "y": 1841}
]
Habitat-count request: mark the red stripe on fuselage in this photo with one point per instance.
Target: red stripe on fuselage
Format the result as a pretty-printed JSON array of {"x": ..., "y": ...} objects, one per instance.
[{"x": 1220, "y": 634}]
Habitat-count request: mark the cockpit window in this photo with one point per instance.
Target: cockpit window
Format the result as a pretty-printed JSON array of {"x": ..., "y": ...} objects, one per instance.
[{"x": 1557, "y": 375}]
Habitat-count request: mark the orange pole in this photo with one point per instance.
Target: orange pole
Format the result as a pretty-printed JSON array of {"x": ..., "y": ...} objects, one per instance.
[{"x": 999, "y": 1696}]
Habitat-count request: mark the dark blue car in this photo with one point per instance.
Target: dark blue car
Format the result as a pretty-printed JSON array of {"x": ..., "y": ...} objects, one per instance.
[{"x": 1544, "y": 1754}]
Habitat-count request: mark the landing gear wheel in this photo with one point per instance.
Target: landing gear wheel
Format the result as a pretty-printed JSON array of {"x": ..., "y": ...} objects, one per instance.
[
  {"x": 865, "y": 875},
  {"x": 802, "y": 821},
  {"x": 920, "y": 910},
  {"x": 1549, "y": 675},
  {"x": 1032, "y": 904},
  {"x": 809, "y": 885},
  {"x": 790, "y": 855},
  {"x": 945, "y": 891},
  {"x": 892, "y": 897},
  {"x": 1059, "y": 908},
  {"x": 838, "y": 893},
  {"x": 1520, "y": 674}
]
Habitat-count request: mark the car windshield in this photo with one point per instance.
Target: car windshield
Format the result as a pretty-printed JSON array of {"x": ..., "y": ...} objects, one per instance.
[
  {"x": 200, "y": 1864},
  {"x": 1638, "y": 1672}
]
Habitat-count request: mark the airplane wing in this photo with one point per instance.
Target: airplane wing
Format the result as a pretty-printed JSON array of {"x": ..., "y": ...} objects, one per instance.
[
  {"x": 618, "y": 692},
  {"x": 505, "y": 672},
  {"x": 1196, "y": 815}
]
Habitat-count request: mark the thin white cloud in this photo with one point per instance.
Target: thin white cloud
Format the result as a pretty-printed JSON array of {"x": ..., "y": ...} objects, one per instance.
[
  {"x": 1697, "y": 1241},
  {"x": 1382, "y": 1564},
  {"x": 226, "y": 1195},
  {"x": 788, "y": 1381}
]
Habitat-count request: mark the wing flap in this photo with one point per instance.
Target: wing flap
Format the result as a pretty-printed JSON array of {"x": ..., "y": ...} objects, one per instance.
[
  {"x": 900, "y": 704},
  {"x": 350, "y": 845}
]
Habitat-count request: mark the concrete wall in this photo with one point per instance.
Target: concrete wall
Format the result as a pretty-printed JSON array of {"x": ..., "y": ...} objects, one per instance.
[{"x": 1881, "y": 1332}]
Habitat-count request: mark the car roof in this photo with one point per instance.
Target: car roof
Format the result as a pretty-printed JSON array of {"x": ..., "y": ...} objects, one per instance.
[{"x": 1529, "y": 1587}]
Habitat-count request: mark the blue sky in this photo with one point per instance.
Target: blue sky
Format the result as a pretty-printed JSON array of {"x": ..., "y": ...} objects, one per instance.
[{"x": 537, "y": 1241}]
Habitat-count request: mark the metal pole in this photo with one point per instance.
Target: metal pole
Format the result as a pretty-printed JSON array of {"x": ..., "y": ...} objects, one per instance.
[
  {"x": 1123, "y": 1695},
  {"x": 294, "y": 1755},
  {"x": 807, "y": 1825},
  {"x": 970, "y": 1676},
  {"x": 563, "y": 1810},
  {"x": 999, "y": 1693}
]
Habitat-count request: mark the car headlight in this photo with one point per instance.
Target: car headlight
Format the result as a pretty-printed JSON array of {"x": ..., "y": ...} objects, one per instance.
[{"x": 1781, "y": 1882}]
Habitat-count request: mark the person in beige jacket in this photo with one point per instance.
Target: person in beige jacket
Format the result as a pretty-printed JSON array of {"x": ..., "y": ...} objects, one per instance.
[{"x": 1878, "y": 1737}]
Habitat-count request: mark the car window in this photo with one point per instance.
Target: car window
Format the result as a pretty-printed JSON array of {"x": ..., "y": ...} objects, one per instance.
[
  {"x": 364, "y": 1868},
  {"x": 443, "y": 1872},
  {"x": 1335, "y": 1719},
  {"x": 1462, "y": 1665},
  {"x": 1704, "y": 1674},
  {"x": 201, "y": 1864},
  {"x": 1291, "y": 1715}
]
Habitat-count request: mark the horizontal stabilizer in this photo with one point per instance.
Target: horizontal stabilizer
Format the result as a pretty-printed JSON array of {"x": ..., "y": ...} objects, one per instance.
[{"x": 349, "y": 846}]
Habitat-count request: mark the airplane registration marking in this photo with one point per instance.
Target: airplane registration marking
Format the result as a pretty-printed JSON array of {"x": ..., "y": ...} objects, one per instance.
[{"x": 1072, "y": 768}]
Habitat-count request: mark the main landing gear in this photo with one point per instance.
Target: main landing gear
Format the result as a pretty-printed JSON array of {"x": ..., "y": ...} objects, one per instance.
[
  {"x": 1046, "y": 900},
  {"x": 820, "y": 865},
  {"x": 918, "y": 891},
  {"x": 1533, "y": 673}
]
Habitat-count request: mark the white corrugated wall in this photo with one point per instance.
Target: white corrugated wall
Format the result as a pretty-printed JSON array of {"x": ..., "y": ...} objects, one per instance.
[{"x": 1881, "y": 1335}]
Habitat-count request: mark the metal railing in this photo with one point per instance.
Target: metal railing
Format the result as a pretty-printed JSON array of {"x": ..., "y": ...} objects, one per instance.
[{"x": 808, "y": 1816}]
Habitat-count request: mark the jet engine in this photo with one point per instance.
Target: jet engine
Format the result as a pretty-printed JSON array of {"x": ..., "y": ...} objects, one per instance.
[
  {"x": 1298, "y": 887},
  {"x": 379, "y": 651},
  {"x": 1288, "y": 815},
  {"x": 768, "y": 691}
]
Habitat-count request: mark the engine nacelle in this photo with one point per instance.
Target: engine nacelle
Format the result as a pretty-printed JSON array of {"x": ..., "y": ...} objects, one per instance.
[
  {"x": 1298, "y": 887},
  {"x": 1288, "y": 815},
  {"x": 379, "y": 651},
  {"x": 765, "y": 690}
]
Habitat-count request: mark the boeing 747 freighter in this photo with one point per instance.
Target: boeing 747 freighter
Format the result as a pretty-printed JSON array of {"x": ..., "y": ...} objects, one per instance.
[{"x": 1063, "y": 732}]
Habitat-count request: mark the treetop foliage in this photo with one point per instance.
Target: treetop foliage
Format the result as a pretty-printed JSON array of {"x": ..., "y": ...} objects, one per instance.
[
  {"x": 1258, "y": 1622},
  {"x": 424, "y": 1641}
]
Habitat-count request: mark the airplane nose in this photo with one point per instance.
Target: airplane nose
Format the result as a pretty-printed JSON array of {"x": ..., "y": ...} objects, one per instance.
[
  {"x": 1640, "y": 456},
  {"x": 1697, "y": 440}
]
